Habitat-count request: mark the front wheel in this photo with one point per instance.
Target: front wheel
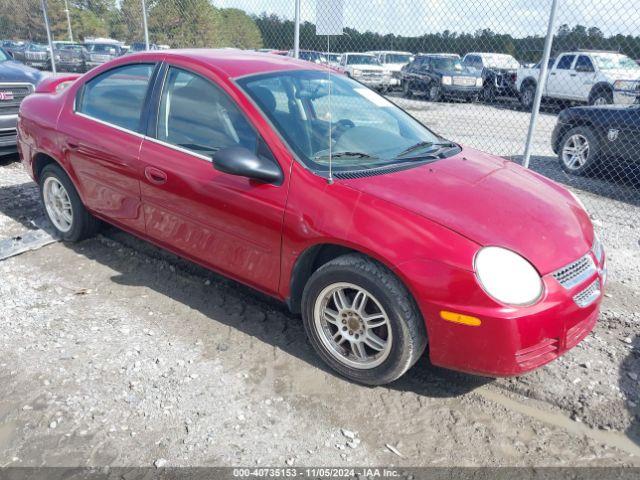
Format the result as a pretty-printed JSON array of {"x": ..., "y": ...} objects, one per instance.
[
  {"x": 362, "y": 321},
  {"x": 435, "y": 92},
  {"x": 527, "y": 97},
  {"x": 406, "y": 89},
  {"x": 601, "y": 97},
  {"x": 63, "y": 207}
]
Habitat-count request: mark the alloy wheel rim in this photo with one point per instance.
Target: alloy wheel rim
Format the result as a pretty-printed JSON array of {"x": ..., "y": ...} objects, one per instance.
[
  {"x": 575, "y": 152},
  {"x": 58, "y": 204},
  {"x": 600, "y": 101},
  {"x": 433, "y": 93},
  {"x": 352, "y": 326},
  {"x": 527, "y": 97}
]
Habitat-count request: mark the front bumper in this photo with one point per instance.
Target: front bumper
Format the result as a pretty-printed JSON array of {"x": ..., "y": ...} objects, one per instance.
[
  {"x": 458, "y": 91},
  {"x": 509, "y": 340},
  {"x": 626, "y": 97},
  {"x": 8, "y": 134}
]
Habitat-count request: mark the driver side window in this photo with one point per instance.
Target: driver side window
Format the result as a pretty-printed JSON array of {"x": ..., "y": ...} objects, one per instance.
[{"x": 196, "y": 115}]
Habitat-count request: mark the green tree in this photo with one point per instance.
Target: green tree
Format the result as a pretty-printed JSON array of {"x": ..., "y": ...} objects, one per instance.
[{"x": 239, "y": 30}]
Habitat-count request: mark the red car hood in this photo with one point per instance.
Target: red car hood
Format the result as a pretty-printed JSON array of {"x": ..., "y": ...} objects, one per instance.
[{"x": 491, "y": 201}]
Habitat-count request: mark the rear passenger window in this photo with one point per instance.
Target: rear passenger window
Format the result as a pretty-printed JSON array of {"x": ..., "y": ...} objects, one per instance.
[
  {"x": 117, "y": 96},
  {"x": 565, "y": 62}
]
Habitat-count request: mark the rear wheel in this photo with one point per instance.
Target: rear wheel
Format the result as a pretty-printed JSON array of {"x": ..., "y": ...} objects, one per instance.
[
  {"x": 63, "y": 207},
  {"x": 579, "y": 150},
  {"x": 362, "y": 321}
]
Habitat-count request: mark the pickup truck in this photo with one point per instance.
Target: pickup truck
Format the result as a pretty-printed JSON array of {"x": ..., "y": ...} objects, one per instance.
[{"x": 587, "y": 77}]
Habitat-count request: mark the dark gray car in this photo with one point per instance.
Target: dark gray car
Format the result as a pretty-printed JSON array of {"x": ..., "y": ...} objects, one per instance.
[{"x": 16, "y": 82}]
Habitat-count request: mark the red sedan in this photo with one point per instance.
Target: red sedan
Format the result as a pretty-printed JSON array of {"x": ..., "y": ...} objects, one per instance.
[{"x": 316, "y": 190}]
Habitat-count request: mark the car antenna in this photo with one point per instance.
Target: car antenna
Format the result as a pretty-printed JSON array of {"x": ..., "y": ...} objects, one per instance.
[{"x": 330, "y": 179}]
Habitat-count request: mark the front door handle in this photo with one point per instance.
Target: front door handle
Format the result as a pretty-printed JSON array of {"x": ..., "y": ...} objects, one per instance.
[{"x": 155, "y": 175}]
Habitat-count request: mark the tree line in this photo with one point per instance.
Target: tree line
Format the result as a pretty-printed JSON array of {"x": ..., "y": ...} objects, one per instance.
[
  {"x": 277, "y": 33},
  {"x": 197, "y": 23},
  {"x": 177, "y": 23}
]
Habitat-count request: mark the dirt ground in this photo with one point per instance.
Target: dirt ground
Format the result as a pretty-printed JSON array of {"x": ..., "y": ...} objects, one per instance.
[{"x": 113, "y": 352}]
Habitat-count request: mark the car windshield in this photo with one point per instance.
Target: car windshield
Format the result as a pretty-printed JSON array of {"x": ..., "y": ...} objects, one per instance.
[
  {"x": 73, "y": 48},
  {"x": 34, "y": 47},
  {"x": 318, "y": 113},
  {"x": 102, "y": 48},
  {"x": 614, "y": 61},
  {"x": 313, "y": 57},
  {"x": 362, "y": 60},
  {"x": 500, "y": 61},
  {"x": 397, "y": 58},
  {"x": 447, "y": 63}
]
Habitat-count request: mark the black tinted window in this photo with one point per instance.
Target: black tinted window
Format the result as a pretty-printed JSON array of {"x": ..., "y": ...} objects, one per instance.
[
  {"x": 565, "y": 62},
  {"x": 196, "y": 115},
  {"x": 584, "y": 64},
  {"x": 117, "y": 96}
]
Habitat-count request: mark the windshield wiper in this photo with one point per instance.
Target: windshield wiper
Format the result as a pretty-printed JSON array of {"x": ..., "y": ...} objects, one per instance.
[
  {"x": 345, "y": 154},
  {"x": 421, "y": 145}
]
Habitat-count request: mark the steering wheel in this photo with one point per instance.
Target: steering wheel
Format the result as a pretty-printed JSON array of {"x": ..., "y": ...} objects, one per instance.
[{"x": 341, "y": 126}]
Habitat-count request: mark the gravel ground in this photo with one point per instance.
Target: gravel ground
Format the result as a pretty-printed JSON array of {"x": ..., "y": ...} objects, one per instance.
[{"x": 113, "y": 352}]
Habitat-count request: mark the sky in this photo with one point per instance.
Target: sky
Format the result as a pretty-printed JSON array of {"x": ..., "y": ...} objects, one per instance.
[{"x": 414, "y": 17}]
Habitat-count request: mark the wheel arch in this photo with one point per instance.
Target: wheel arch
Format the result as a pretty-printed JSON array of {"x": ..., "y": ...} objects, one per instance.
[
  {"x": 315, "y": 256},
  {"x": 600, "y": 87},
  {"x": 529, "y": 81}
]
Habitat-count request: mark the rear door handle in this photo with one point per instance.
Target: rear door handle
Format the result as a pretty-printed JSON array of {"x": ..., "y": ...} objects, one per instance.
[{"x": 155, "y": 175}]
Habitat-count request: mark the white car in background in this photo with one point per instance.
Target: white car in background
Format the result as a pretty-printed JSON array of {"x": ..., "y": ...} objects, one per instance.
[
  {"x": 365, "y": 68},
  {"x": 393, "y": 61},
  {"x": 593, "y": 77}
]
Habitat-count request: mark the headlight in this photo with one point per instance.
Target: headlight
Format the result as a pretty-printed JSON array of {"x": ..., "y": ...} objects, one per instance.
[
  {"x": 357, "y": 72},
  {"x": 507, "y": 277},
  {"x": 446, "y": 80},
  {"x": 57, "y": 58},
  {"x": 625, "y": 85},
  {"x": 479, "y": 82}
]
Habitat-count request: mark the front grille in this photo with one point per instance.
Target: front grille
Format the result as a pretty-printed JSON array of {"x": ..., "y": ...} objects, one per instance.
[
  {"x": 464, "y": 81},
  {"x": 19, "y": 92},
  {"x": 588, "y": 295},
  {"x": 571, "y": 275}
]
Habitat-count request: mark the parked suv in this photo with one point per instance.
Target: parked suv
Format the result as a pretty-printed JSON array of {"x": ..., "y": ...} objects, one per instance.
[
  {"x": 499, "y": 73},
  {"x": 38, "y": 55},
  {"x": 100, "y": 53},
  {"x": 593, "y": 77},
  {"x": 393, "y": 62},
  {"x": 365, "y": 68},
  {"x": 71, "y": 57},
  {"x": 16, "y": 82},
  {"x": 441, "y": 75}
]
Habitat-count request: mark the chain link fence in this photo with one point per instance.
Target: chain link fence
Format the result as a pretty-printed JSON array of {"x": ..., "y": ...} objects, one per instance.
[{"x": 467, "y": 69}]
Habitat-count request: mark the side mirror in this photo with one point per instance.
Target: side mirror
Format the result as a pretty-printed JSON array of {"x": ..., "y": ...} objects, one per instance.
[{"x": 244, "y": 163}]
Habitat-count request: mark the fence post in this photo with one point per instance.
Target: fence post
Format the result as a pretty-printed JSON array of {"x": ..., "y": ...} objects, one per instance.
[
  {"x": 542, "y": 81},
  {"x": 296, "y": 32},
  {"x": 66, "y": 10},
  {"x": 43, "y": 4},
  {"x": 144, "y": 24}
]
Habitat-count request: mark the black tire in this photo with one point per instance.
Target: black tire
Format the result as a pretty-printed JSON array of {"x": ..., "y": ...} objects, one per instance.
[
  {"x": 601, "y": 96},
  {"x": 406, "y": 89},
  {"x": 409, "y": 337},
  {"x": 527, "y": 96},
  {"x": 83, "y": 225},
  {"x": 489, "y": 94},
  {"x": 593, "y": 156},
  {"x": 435, "y": 92}
]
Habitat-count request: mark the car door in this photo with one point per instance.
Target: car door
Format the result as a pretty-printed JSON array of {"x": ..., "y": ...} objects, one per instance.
[
  {"x": 560, "y": 83},
  {"x": 581, "y": 78},
  {"x": 102, "y": 135},
  {"x": 228, "y": 223}
]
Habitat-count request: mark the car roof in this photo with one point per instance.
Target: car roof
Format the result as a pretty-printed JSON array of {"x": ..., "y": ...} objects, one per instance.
[{"x": 232, "y": 62}]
